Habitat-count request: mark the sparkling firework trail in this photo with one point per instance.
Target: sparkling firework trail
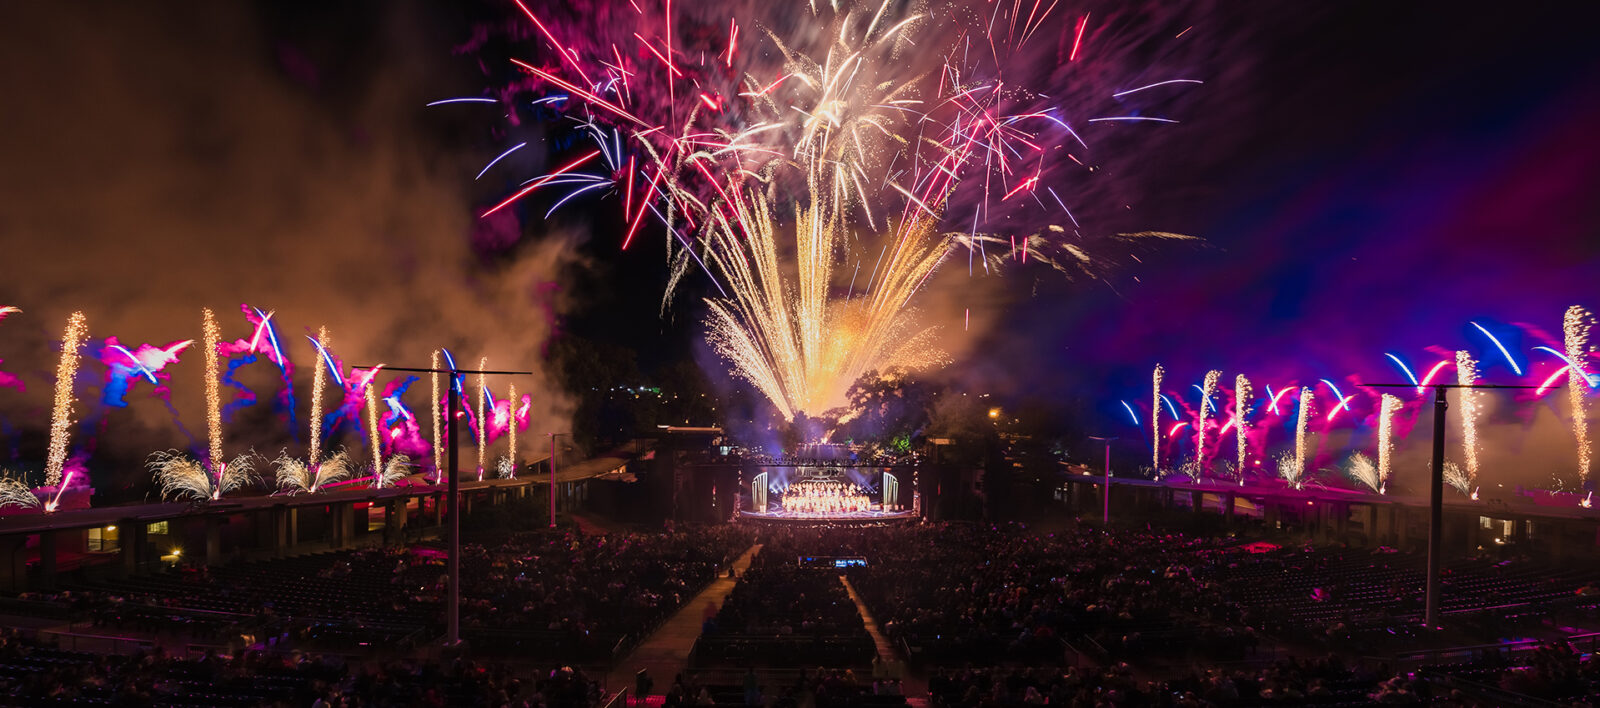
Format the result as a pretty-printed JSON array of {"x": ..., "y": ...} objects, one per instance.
[
  {"x": 511, "y": 442},
  {"x": 212, "y": 337},
  {"x": 438, "y": 422},
  {"x": 1206, "y": 392},
  {"x": 1456, "y": 477},
  {"x": 318, "y": 382},
  {"x": 483, "y": 428},
  {"x": 1362, "y": 470},
  {"x": 1405, "y": 369},
  {"x": 1467, "y": 375},
  {"x": 373, "y": 431},
  {"x": 1431, "y": 373},
  {"x": 1241, "y": 404},
  {"x": 1300, "y": 458},
  {"x": 1155, "y": 415},
  {"x": 1344, "y": 402},
  {"x": 61, "y": 414},
  {"x": 1131, "y": 415},
  {"x": 1509, "y": 360},
  {"x": 1337, "y": 394},
  {"x": 1575, "y": 326},
  {"x": 1391, "y": 405},
  {"x": 1274, "y": 397},
  {"x": 15, "y": 492}
]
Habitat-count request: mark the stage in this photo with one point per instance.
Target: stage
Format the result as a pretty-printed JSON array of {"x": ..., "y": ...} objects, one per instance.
[
  {"x": 845, "y": 519},
  {"x": 826, "y": 494}
]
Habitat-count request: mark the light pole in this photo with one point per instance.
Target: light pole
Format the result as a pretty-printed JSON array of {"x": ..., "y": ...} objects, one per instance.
[
  {"x": 452, "y": 496},
  {"x": 1105, "y": 511},
  {"x": 1436, "y": 490},
  {"x": 553, "y": 437}
]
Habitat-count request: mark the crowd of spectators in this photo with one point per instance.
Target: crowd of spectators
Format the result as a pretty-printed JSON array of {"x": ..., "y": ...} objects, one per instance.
[
  {"x": 556, "y": 595},
  {"x": 33, "y": 673}
]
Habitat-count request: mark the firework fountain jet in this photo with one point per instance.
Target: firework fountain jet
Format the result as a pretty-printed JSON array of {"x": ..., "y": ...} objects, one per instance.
[
  {"x": 438, "y": 422},
  {"x": 1155, "y": 417},
  {"x": 1241, "y": 401},
  {"x": 1300, "y": 458},
  {"x": 1575, "y": 326},
  {"x": 1466, "y": 376},
  {"x": 1391, "y": 404},
  {"x": 319, "y": 381},
  {"x": 373, "y": 431},
  {"x": 61, "y": 414},
  {"x": 212, "y": 335},
  {"x": 1207, "y": 391},
  {"x": 483, "y": 429},
  {"x": 763, "y": 184},
  {"x": 511, "y": 442}
]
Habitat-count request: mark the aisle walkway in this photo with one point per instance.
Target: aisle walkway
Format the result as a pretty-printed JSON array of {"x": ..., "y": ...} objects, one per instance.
[
  {"x": 666, "y": 651},
  {"x": 915, "y": 687}
]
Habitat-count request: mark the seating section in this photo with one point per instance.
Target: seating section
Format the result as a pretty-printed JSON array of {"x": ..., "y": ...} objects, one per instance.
[
  {"x": 560, "y": 596},
  {"x": 33, "y": 674}
]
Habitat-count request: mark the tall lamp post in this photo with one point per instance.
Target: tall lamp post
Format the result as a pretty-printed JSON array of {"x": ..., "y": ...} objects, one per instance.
[
  {"x": 1105, "y": 510},
  {"x": 452, "y": 495},
  {"x": 553, "y": 437},
  {"x": 1436, "y": 489}
]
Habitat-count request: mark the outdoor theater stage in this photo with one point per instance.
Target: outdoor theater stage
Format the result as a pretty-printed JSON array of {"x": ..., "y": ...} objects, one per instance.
[{"x": 842, "y": 519}]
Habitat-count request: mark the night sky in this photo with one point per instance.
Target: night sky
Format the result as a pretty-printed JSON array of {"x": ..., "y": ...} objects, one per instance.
[{"x": 1367, "y": 177}]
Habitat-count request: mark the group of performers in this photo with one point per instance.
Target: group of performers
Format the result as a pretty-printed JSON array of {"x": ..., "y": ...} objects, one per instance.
[{"x": 825, "y": 497}]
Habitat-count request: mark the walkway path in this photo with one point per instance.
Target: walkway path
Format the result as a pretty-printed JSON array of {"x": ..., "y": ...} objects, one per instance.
[
  {"x": 666, "y": 651},
  {"x": 915, "y": 687}
]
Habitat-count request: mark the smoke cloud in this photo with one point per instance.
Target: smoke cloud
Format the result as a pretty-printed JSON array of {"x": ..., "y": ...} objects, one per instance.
[{"x": 161, "y": 159}]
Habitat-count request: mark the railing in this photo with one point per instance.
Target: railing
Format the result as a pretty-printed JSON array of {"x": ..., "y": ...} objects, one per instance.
[
  {"x": 1590, "y": 640},
  {"x": 100, "y": 644},
  {"x": 1493, "y": 694},
  {"x": 617, "y": 700}
]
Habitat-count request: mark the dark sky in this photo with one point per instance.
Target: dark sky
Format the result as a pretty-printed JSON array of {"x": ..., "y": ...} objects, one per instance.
[{"x": 1368, "y": 177}]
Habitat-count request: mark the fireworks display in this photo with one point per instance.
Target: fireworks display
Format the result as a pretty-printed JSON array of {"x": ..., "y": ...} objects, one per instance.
[
  {"x": 1575, "y": 326},
  {"x": 212, "y": 335},
  {"x": 1300, "y": 458},
  {"x": 1241, "y": 405},
  {"x": 482, "y": 428},
  {"x": 511, "y": 440},
  {"x": 438, "y": 420},
  {"x": 1362, "y": 470},
  {"x": 61, "y": 413},
  {"x": 1458, "y": 478},
  {"x": 1155, "y": 417},
  {"x": 1207, "y": 392},
  {"x": 295, "y": 476},
  {"x": 374, "y": 433},
  {"x": 1466, "y": 376},
  {"x": 853, "y": 138},
  {"x": 318, "y": 383},
  {"x": 15, "y": 492},
  {"x": 1390, "y": 405}
]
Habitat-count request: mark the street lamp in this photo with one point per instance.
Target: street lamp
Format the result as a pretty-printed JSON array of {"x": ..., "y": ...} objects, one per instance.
[
  {"x": 1105, "y": 511},
  {"x": 553, "y": 437}
]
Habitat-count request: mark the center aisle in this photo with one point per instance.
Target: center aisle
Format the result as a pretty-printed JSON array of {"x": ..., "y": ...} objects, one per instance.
[
  {"x": 666, "y": 651},
  {"x": 914, "y": 687}
]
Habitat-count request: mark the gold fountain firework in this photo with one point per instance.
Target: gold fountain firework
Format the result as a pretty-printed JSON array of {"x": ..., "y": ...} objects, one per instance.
[
  {"x": 1241, "y": 400},
  {"x": 483, "y": 393},
  {"x": 1306, "y": 398},
  {"x": 1207, "y": 390},
  {"x": 1391, "y": 405},
  {"x": 1575, "y": 326},
  {"x": 373, "y": 432},
  {"x": 1466, "y": 376},
  {"x": 61, "y": 414},
  {"x": 1155, "y": 416},
  {"x": 318, "y": 382},
  {"x": 212, "y": 334},
  {"x": 438, "y": 432},
  {"x": 511, "y": 442}
]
